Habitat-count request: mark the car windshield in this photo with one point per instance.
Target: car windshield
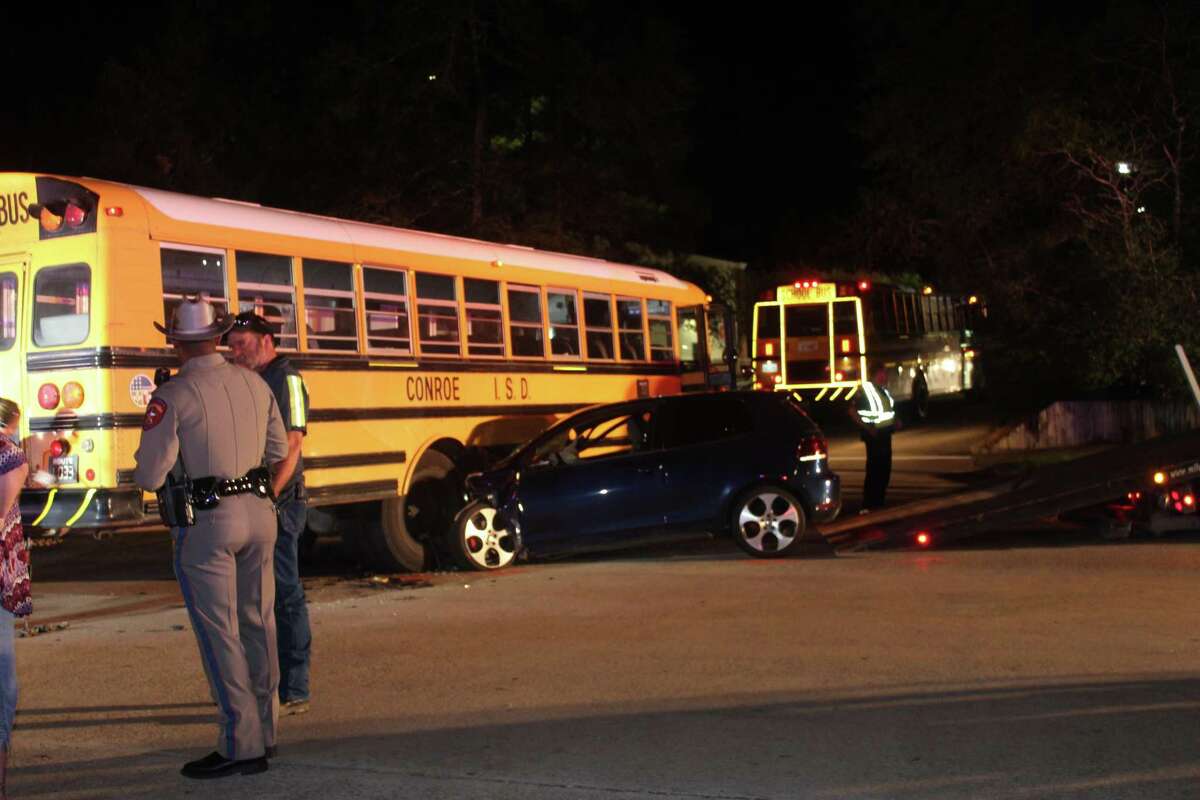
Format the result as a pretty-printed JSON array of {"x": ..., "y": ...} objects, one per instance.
[
  {"x": 517, "y": 456},
  {"x": 584, "y": 436}
]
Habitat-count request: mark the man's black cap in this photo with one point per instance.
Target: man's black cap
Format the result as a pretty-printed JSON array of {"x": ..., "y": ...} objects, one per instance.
[{"x": 249, "y": 321}]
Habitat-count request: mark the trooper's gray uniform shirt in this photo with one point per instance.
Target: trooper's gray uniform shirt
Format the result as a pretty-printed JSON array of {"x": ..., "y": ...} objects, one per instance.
[{"x": 216, "y": 419}]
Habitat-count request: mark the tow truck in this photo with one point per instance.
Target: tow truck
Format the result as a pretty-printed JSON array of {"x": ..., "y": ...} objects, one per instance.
[{"x": 1150, "y": 485}]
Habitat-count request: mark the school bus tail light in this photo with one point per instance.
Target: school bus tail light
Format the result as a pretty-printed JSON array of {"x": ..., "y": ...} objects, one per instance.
[
  {"x": 49, "y": 220},
  {"x": 72, "y": 395},
  {"x": 59, "y": 448},
  {"x": 48, "y": 396},
  {"x": 74, "y": 215}
]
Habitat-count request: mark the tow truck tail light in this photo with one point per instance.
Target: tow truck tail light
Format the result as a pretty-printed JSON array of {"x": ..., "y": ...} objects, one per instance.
[
  {"x": 1160, "y": 478},
  {"x": 48, "y": 396},
  {"x": 923, "y": 539}
]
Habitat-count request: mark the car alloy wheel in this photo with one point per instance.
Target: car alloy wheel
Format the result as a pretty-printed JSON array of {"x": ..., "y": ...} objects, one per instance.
[
  {"x": 481, "y": 542},
  {"x": 768, "y": 522}
]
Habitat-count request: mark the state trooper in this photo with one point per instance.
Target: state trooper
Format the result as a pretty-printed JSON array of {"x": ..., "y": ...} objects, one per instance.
[
  {"x": 874, "y": 412},
  {"x": 210, "y": 435},
  {"x": 252, "y": 345}
]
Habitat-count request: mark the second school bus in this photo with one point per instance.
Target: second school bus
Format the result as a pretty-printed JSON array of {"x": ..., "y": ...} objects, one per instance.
[{"x": 421, "y": 352}]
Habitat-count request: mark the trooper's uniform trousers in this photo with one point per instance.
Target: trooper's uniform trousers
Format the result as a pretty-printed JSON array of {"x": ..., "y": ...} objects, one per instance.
[
  {"x": 233, "y": 546},
  {"x": 218, "y": 421}
]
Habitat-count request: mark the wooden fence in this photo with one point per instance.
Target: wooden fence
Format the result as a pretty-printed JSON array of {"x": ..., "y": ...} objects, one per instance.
[{"x": 1072, "y": 423}]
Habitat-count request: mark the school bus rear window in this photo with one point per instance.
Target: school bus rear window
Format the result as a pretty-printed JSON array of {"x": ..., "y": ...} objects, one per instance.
[{"x": 62, "y": 305}]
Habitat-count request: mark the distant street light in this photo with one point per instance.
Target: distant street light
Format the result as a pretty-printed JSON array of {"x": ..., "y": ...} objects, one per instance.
[{"x": 1124, "y": 167}]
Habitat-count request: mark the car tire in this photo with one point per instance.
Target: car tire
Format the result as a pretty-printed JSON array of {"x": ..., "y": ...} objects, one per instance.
[
  {"x": 768, "y": 521},
  {"x": 477, "y": 544}
]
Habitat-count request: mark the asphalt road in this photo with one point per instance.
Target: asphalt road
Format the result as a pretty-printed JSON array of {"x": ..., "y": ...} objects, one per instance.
[{"x": 1039, "y": 664}]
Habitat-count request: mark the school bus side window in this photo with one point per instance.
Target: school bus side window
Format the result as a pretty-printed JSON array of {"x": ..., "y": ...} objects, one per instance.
[
  {"x": 485, "y": 320},
  {"x": 62, "y": 305},
  {"x": 192, "y": 270},
  {"x": 564, "y": 322},
  {"x": 598, "y": 323},
  {"x": 630, "y": 329},
  {"x": 329, "y": 305},
  {"x": 437, "y": 315},
  {"x": 385, "y": 292},
  {"x": 265, "y": 286},
  {"x": 662, "y": 347},
  {"x": 8, "y": 310},
  {"x": 525, "y": 321}
]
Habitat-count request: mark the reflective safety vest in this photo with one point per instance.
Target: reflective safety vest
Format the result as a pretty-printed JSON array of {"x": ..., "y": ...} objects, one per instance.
[{"x": 875, "y": 406}]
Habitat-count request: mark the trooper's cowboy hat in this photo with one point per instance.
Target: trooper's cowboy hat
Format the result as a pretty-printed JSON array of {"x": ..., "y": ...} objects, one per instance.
[{"x": 195, "y": 320}]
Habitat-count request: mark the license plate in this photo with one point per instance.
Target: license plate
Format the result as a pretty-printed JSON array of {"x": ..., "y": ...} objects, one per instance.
[{"x": 65, "y": 469}]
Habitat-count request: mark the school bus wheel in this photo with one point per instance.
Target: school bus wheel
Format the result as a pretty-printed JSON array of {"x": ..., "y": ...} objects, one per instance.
[{"x": 403, "y": 535}]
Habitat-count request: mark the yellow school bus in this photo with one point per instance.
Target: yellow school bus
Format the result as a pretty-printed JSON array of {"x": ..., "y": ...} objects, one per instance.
[{"x": 422, "y": 353}]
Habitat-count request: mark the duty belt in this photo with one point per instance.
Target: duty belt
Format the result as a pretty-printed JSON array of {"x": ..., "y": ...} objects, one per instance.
[{"x": 206, "y": 493}]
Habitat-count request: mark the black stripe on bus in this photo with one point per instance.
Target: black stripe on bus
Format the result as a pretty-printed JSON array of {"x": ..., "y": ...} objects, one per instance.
[
  {"x": 128, "y": 358},
  {"x": 360, "y": 460},
  {"x": 100, "y": 358},
  {"x": 419, "y": 412},
  {"x": 91, "y": 422},
  {"x": 352, "y": 492},
  {"x": 104, "y": 422}
]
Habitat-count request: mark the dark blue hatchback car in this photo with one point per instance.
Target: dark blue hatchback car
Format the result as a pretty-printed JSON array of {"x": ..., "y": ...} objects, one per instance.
[{"x": 748, "y": 463}]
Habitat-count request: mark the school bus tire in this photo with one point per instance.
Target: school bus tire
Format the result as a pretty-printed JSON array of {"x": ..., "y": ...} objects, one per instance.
[{"x": 409, "y": 527}]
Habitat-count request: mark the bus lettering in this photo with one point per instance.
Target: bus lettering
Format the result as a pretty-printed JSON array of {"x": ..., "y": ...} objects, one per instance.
[
  {"x": 432, "y": 387},
  {"x": 510, "y": 390},
  {"x": 14, "y": 208}
]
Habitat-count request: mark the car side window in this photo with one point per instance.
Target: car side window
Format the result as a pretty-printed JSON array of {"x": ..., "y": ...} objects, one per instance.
[
  {"x": 596, "y": 438},
  {"x": 706, "y": 418}
]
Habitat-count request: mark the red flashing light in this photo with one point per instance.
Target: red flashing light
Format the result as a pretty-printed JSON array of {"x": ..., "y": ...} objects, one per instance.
[
  {"x": 1189, "y": 500},
  {"x": 1179, "y": 507},
  {"x": 74, "y": 216},
  {"x": 1174, "y": 495},
  {"x": 864, "y": 286},
  {"x": 924, "y": 539},
  {"x": 114, "y": 211},
  {"x": 59, "y": 448},
  {"x": 48, "y": 396}
]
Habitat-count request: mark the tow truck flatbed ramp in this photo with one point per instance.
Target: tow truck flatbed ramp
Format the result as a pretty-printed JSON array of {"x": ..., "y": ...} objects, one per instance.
[{"x": 1037, "y": 494}]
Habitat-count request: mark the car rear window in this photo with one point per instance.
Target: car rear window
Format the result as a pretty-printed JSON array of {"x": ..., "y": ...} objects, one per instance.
[{"x": 703, "y": 418}]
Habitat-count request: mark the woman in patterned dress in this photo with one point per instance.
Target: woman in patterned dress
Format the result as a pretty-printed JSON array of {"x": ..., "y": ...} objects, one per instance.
[{"x": 14, "y": 572}]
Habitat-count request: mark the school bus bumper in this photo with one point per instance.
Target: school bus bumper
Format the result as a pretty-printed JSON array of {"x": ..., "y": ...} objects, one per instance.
[{"x": 81, "y": 508}]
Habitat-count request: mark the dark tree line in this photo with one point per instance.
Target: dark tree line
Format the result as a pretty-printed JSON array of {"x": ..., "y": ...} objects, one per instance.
[
  {"x": 1042, "y": 155},
  {"x": 1037, "y": 154},
  {"x": 549, "y": 124}
]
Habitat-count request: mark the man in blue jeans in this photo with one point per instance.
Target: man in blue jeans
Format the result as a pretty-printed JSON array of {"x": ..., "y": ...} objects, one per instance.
[{"x": 252, "y": 343}]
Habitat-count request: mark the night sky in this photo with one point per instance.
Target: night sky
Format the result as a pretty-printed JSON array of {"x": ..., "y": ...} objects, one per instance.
[{"x": 773, "y": 153}]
